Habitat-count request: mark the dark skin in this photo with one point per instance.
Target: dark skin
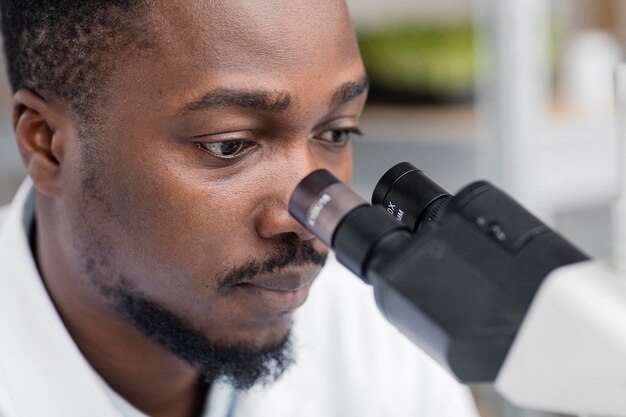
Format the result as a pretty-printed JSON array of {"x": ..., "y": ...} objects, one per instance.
[{"x": 167, "y": 208}]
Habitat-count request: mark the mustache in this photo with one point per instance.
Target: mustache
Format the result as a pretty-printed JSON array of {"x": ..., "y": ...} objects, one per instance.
[{"x": 290, "y": 253}]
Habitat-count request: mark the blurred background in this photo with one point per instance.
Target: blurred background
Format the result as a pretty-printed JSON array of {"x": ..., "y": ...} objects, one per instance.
[{"x": 516, "y": 91}]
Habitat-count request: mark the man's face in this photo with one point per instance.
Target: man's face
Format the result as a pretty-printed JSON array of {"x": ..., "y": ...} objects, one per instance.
[{"x": 183, "y": 188}]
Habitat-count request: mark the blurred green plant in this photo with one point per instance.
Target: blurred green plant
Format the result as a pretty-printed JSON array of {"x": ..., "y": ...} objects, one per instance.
[{"x": 418, "y": 62}]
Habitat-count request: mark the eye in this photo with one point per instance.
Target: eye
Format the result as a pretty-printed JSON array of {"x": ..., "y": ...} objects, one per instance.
[
  {"x": 339, "y": 137},
  {"x": 228, "y": 149}
]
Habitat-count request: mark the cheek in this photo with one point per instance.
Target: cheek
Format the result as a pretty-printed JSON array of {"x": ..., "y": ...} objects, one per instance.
[
  {"x": 339, "y": 164},
  {"x": 192, "y": 224},
  {"x": 346, "y": 166},
  {"x": 170, "y": 223}
]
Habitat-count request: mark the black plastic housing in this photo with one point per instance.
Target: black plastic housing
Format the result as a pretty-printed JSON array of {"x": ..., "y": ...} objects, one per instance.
[{"x": 459, "y": 288}]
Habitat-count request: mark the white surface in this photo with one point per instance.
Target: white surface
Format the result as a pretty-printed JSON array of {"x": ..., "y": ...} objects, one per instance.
[{"x": 570, "y": 353}]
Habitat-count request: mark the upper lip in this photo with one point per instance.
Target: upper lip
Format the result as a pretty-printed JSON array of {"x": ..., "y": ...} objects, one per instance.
[{"x": 286, "y": 282}]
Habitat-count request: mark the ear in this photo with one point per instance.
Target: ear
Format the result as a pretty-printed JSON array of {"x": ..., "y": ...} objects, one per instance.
[{"x": 35, "y": 125}]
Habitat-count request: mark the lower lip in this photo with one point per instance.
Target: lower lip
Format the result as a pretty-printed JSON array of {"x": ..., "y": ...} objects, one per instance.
[{"x": 273, "y": 300}]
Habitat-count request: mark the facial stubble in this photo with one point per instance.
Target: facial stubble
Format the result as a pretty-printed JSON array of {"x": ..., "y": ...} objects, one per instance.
[{"x": 241, "y": 365}]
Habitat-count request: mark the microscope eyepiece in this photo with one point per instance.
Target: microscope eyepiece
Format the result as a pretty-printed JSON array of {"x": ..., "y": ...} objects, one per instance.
[
  {"x": 410, "y": 196},
  {"x": 321, "y": 201}
]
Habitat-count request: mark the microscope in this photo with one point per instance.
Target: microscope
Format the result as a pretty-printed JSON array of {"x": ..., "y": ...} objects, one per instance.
[{"x": 482, "y": 286}]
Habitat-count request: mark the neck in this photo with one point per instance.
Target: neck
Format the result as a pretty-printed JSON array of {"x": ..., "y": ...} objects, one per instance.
[{"x": 146, "y": 375}]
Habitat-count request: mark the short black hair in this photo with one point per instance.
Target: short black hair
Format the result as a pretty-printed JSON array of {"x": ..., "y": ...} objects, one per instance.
[{"x": 66, "y": 48}]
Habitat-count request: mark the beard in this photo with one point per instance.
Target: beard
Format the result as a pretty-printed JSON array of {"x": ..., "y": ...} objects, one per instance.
[{"x": 242, "y": 366}]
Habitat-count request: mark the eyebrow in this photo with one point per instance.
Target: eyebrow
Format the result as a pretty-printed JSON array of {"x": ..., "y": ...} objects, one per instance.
[
  {"x": 272, "y": 101},
  {"x": 349, "y": 91}
]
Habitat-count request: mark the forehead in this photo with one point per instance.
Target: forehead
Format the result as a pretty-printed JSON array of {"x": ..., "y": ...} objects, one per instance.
[
  {"x": 237, "y": 35},
  {"x": 304, "y": 48},
  {"x": 307, "y": 48}
]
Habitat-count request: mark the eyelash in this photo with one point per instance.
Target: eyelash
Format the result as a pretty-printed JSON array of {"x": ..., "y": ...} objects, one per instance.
[
  {"x": 246, "y": 144},
  {"x": 348, "y": 132}
]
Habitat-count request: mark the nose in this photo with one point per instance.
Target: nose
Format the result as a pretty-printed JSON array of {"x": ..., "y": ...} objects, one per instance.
[
  {"x": 276, "y": 222},
  {"x": 272, "y": 219}
]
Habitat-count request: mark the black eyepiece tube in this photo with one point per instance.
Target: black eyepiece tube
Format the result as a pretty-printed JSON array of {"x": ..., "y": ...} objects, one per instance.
[
  {"x": 410, "y": 196},
  {"x": 341, "y": 219},
  {"x": 321, "y": 201}
]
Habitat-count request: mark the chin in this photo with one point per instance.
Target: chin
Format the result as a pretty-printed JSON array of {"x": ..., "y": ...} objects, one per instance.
[{"x": 261, "y": 336}]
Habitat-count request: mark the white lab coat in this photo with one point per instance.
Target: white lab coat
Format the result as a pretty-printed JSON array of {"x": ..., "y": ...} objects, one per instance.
[{"x": 350, "y": 362}]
